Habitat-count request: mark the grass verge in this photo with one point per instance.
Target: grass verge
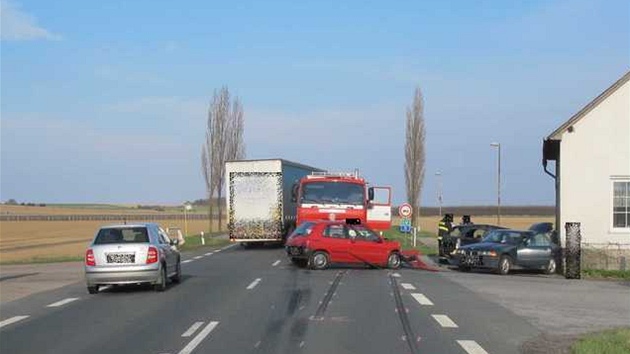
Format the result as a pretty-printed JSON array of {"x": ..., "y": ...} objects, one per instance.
[
  {"x": 406, "y": 240},
  {"x": 38, "y": 260},
  {"x": 211, "y": 240},
  {"x": 616, "y": 341},
  {"x": 606, "y": 274}
]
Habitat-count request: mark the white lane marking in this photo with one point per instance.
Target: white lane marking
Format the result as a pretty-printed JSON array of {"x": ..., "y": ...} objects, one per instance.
[
  {"x": 444, "y": 321},
  {"x": 422, "y": 300},
  {"x": 12, "y": 320},
  {"x": 195, "y": 326},
  {"x": 253, "y": 284},
  {"x": 187, "y": 261},
  {"x": 63, "y": 302},
  {"x": 198, "y": 257},
  {"x": 198, "y": 338},
  {"x": 471, "y": 347},
  {"x": 208, "y": 254},
  {"x": 275, "y": 263},
  {"x": 396, "y": 275},
  {"x": 407, "y": 286}
]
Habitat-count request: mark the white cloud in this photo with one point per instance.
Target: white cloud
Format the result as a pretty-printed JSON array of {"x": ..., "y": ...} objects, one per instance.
[{"x": 20, "y": 26}]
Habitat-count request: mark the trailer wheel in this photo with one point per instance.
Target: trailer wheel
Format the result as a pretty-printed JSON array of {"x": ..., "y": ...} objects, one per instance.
[{"x": 319, "y": 260}]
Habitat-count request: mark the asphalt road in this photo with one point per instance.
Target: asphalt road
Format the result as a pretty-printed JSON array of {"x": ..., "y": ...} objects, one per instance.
[{"x": 255, "y": 301}]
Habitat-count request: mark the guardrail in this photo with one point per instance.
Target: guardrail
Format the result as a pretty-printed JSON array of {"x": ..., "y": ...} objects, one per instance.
[{"x": 103, "y": 217}]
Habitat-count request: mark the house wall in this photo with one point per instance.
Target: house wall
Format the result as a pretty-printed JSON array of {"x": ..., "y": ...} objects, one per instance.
[{"x": 591, "y": 157}]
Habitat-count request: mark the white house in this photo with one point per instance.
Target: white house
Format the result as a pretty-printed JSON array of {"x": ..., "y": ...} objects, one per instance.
[{"x": 592, "y": 155}]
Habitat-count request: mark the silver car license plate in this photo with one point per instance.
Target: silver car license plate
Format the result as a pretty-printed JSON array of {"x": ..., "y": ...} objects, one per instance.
[{"x": 121, "y": 258}]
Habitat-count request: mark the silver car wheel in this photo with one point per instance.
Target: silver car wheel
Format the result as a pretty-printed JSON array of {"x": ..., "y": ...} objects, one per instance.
[
  {"x": 551, "y": 266},
  {"x": 393, "y": 261},
  {"x": 319, "y": 260}
]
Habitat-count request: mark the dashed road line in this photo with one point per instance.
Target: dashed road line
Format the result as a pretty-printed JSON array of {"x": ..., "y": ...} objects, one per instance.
[
  {"x": 208, "y": 254},
  {"x": 471, "y": 347},
  {"x": 444, "y": 321},
  {"x": 187, "y": 261},
  {"x": 198, "y": 338},
  {"x": 407, "y": 286},
  {"x": 195, "y": 326},
  {"x": 63, "y": 302},
  {"x": 421, "y": 299},
  {"x": 276, "y": 263},
  {"x": 198, "y": 257},
  {"x": 253, "y": 284},
  {"x": 396, "y": 275},
  {"x": 12, "y": 320}
]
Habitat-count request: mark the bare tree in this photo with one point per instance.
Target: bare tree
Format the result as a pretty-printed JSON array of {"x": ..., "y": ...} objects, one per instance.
[
  {"x": 415, "y": 152},
  {"x": 224, "y": 142}
]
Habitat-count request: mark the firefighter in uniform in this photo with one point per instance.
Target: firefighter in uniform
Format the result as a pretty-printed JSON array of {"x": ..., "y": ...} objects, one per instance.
[{"x": 445, "y": 226}]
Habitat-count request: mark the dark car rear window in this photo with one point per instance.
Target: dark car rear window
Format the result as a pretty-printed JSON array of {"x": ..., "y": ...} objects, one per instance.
[{"x": 122, "y": 235}]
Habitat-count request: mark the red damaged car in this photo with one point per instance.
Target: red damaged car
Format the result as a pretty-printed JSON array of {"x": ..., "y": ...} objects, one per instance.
[{"x": 320, "y": 243}]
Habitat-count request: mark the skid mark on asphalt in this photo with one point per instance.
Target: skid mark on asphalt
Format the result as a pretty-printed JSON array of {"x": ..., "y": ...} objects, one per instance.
[{"x": 12, "y": 320}]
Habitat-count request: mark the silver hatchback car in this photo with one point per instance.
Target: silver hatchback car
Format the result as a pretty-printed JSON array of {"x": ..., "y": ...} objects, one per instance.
[{"x": 130, "y": 254}]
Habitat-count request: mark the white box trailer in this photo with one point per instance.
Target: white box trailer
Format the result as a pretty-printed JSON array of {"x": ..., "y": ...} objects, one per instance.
[{"x": 259, "y": 198}]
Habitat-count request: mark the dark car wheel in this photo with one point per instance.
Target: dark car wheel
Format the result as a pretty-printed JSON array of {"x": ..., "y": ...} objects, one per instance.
[
  {"x": 178, "y": 273},
  {"x": 393, "y": 261},
  {"x": 319, "y": 260},
  {"x": 551, "y": 267},
  {"x": 161, "y": 285},
  {"x": 93, "y": 289},
  {"x": 505, "y": 265}
]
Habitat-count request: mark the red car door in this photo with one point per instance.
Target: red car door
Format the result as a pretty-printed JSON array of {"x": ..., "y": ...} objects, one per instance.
[
  {"x": 366, "y": 246},
  {"x": 335, "y": 241}
]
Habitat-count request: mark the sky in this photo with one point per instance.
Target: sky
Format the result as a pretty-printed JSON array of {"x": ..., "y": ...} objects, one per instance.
[{"x": 106, "y": 102}]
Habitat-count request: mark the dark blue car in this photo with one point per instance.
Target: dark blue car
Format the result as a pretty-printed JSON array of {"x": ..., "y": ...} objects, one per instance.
[{"x": 504, "y": 250}]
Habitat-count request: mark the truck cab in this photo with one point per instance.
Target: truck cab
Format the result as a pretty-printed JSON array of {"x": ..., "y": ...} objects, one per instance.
[{"x": 342, "y": 196}]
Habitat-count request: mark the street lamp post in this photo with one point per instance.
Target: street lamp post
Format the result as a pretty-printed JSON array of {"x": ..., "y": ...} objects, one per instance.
[
  {"x": 439, "y": 191},
  {"x": 498, "y": 146}
]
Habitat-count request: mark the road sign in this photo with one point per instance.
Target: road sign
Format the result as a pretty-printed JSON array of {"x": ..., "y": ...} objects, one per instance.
[
  {"x": 405, "y": 228},
  {"x": 405, "y": 210},
  {"x": 405, "y": 222}
]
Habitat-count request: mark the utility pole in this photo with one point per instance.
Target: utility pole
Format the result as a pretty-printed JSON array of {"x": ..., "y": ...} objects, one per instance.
[{"x": 498, "y": 146}]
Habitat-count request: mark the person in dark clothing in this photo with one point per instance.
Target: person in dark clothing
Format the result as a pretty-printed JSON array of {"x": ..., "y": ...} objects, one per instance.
[{"x": 445, "y": 226}]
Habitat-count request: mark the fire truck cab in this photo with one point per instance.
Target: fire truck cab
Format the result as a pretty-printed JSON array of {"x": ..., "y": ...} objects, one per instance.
[{"x": 342, "y": 196}]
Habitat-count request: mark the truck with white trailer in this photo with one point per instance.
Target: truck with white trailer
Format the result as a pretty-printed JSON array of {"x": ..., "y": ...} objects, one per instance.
[{"x": 260, "y": 207}]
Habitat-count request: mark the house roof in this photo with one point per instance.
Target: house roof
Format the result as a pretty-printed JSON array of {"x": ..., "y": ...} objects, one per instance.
[{"x": 557, "y": 134}]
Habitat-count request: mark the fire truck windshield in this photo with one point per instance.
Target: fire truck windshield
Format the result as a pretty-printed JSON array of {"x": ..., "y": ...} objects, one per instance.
[{"x": 333, "y": 192}]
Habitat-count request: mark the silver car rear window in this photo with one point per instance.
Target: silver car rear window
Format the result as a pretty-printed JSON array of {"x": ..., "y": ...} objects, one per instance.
[{"x": 122, "y": 235}]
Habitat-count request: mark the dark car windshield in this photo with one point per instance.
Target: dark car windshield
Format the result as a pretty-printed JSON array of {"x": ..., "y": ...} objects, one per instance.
[
  {"x": 303, "y": 230},
  {"x": 503, "y": 236},
  {"x": 333, "y": 192},
  {"x": 122, "y": 235}
]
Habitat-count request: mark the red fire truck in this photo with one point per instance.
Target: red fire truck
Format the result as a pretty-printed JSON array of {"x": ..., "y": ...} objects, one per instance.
[{"x": 342, "y": 196}]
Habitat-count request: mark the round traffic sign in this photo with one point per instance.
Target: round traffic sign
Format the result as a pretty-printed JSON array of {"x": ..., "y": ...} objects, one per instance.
[{"x": 405, "y": 210}]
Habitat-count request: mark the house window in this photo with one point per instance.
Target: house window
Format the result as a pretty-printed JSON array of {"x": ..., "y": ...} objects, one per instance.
[{"x": 621, "y": 204}]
